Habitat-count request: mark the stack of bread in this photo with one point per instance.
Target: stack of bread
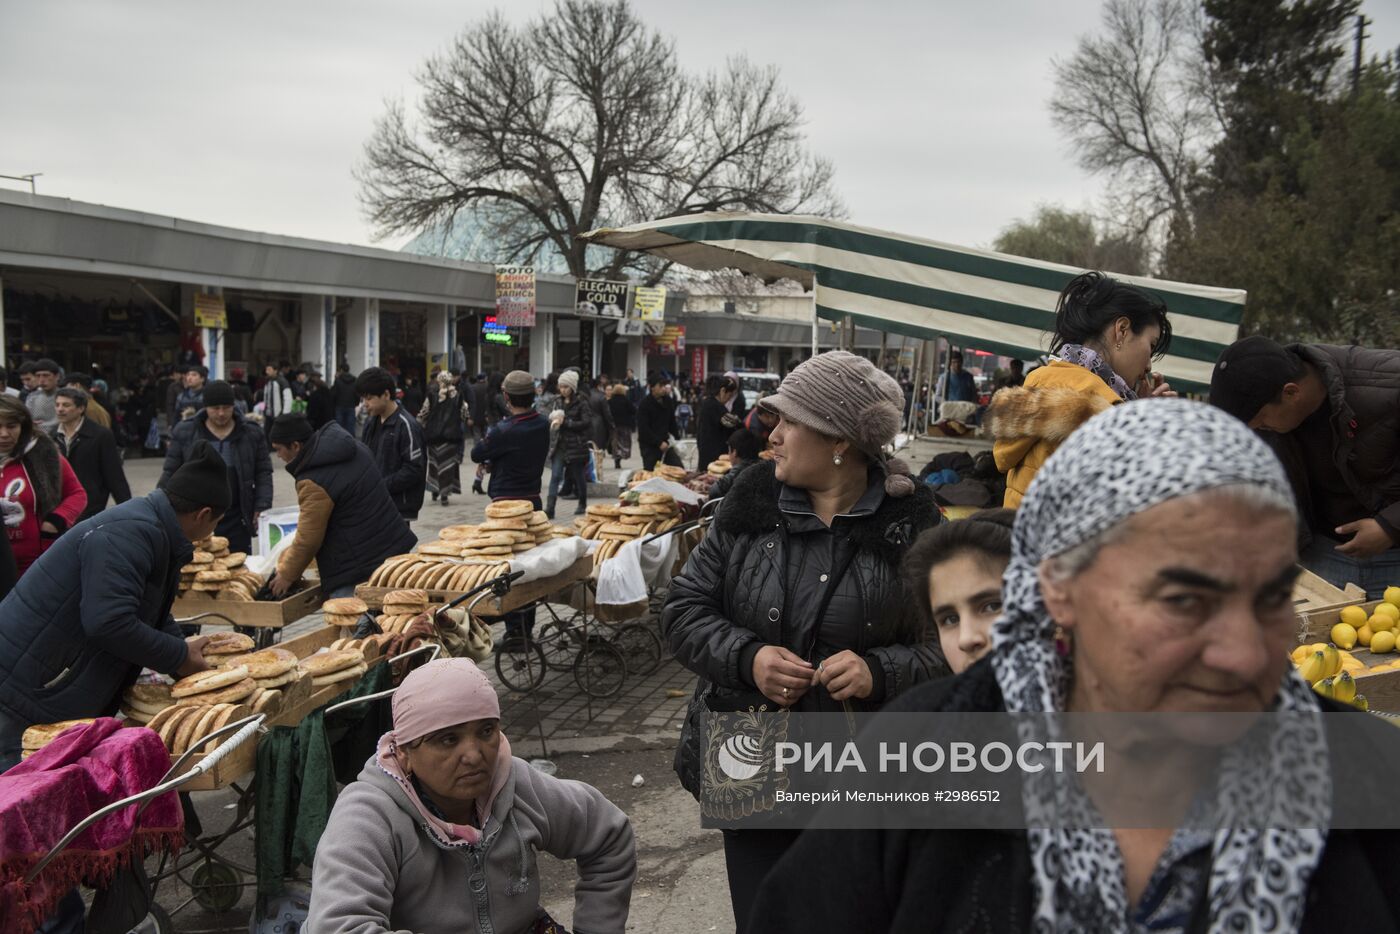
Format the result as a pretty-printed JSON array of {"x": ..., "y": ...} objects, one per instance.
[
  {"x": 41, "y": 734},
  {"x": 664, "y": 471},
  {"x": 333, "y": 666},
  {"x": 401, "y": 608},
  {"x": 275, "y": 676},
  {"x": 719, "y": 466},
  {"x": 141, "y": 702},
  {"x": 219, "y": 647},
  {"x": 638, "y": 515},
  {"x": 344, "y": 611},
  {"x": 183, "y": 728},
  {"x": 215, "y": 573}
]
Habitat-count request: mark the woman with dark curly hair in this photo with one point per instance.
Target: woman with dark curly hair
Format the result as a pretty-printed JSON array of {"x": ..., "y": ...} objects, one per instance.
[{"x": 1106, "y": 336}]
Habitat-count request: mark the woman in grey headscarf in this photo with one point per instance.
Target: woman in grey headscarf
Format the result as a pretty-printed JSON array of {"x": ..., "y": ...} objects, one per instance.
[{"x": 1151, "y": 572}]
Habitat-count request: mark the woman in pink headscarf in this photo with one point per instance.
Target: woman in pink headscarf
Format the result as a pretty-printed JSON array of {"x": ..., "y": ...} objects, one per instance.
[{"x": 440, "y": 830}]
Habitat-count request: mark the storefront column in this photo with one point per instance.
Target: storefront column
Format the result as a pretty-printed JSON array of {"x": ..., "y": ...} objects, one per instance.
[
  {"x": 362, "y": 334},
  {"x": 4, "y": 352},
  {"x": 211, "y": 338},
  {"x": 438, "y": 334},
  {"x": 637, "y": 357},
  {"x": 542, "y": 346},
  {"x": 317, "y": 314},
  {"x": 728, "y": 358}
]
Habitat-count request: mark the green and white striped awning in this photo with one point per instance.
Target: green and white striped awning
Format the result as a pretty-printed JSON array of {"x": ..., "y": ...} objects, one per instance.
[{"x": 922, "y": 288}]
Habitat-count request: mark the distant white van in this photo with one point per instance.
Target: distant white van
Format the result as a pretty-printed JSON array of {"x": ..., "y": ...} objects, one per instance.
[{"x": 755, "y": 384}]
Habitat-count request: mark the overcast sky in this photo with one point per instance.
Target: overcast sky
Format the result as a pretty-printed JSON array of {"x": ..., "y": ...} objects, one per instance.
[{"x": 252, "y": 114}]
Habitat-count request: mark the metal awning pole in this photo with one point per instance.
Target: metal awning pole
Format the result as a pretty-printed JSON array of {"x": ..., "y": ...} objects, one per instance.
[{"x": 814, "y": 316}]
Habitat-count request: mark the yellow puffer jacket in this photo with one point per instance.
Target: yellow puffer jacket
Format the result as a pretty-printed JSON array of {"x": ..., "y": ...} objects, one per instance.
[{"x": 1031, "y": 421}]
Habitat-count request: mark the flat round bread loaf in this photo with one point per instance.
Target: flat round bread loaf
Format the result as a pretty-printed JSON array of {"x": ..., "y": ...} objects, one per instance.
[
  {"x": 457, "y": 532},
  {"x": 513, "y": 524},
  {"x": 411, "y": 597},
  {"x": 522, "y": 547},
  {"x": 227, "y": 695},
  {"x": 207, "y": 586},
  {"x": 213, "y": 575},
  {"x": 441, "y": 549},
  {"x": 203, "y": 681},
  {"x": 324, "y": 663},
  {"x": 605, "y": 510},
  {"x": 286, "y": 677},
  {"x": 149, "y": 694},
  {"x": 180, "y": 741},
  {"x": 345, "y": 674},
  {"x": 147, "y": 711},
  {"x": 635, "y": 520},
  {"x": 503, "y": 548},
  {"x": 224, "y": 715},
  {"x": 217, "y": 543},
  {"x": 41, "y": 734},
  {"x": 509, "y": 508},
  {"x": 233, "y": 560},
  {"x": 270, "y": 663},
  {"x": 268, "y": 702},
  {"x": 226, "y": 643},
  {"x": 619, "y": 528},
  {"x": 135, "y": 716},
  {"x": 201, "y": 557},
  {"x": 345, "y": 622},
  {"x": 638, "y": 511},
  {"x": 344, "y": 605},
  {"x": 170, "y": 725},
  {"x": 159, "y": 719},
  {"x": 656, "y": 499},
  {"x": 491, "y": 538}
]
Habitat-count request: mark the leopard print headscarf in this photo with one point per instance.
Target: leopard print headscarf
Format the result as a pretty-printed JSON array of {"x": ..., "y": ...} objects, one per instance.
[{"x": 1118, "y": 464}]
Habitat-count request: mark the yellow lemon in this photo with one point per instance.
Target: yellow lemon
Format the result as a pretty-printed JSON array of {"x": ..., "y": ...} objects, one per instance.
[
  {"x": 1344, "y": 634},
  {"x": 1363, "y": 635},
  {"x": 1383, "y": 642},
  {"x": 1379, "y": 622},
  {"x": 1355, "y": 616},
  {"x": 1392, "y": 596},
  {"x": 1387, "y": 609}
]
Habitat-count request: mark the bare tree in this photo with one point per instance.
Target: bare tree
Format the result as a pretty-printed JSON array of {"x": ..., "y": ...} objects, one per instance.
[
  {"x": 581, "y": 119},
  {"x": 1136, "y": 104}
]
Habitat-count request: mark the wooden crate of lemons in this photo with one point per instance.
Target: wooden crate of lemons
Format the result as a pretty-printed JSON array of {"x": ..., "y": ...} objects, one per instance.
[{"x": 1358, "y": 663}]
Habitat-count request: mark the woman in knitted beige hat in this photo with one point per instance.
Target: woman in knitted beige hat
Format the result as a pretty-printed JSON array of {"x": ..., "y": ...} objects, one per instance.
[{"x": 793, "y": 600}]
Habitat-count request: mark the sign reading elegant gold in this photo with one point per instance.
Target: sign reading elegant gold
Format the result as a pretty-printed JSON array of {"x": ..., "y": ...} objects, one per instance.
[{"x": 209, "y": 312}]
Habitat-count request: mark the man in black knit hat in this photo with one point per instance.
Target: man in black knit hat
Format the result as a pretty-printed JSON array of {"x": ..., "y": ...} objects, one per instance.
[{"x": 244, "y": 450}]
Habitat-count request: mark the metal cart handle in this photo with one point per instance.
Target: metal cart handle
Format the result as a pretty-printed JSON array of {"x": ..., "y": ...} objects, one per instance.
[
  {"x": 427, "y": 647},
  {"x": 245, "y": 728},
  {"x": 499, "y": 585},
  {"x": 211, "y": 615}
]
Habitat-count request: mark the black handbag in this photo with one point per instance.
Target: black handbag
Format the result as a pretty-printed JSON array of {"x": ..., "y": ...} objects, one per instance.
[{"x": 737, "y": 778}]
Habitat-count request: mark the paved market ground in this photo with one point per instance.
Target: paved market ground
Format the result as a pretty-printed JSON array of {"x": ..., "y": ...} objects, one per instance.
[{"x": 681, "y": 881}]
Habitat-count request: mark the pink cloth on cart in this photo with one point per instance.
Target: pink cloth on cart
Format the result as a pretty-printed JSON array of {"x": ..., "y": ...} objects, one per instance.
[{"x": 87, "y": 768}]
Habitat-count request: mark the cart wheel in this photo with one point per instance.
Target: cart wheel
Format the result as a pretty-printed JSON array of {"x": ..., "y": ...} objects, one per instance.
[
  {"x": 640, "y": 647},
  {"x": 521, "y": 666},
  {"x": 158, "y": 917},
  {"x": 215, "y": 886},
  {"x": 600, "y": 669}
]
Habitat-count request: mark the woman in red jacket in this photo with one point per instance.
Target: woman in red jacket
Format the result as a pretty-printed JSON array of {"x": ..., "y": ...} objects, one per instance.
[{"x": 34, "y": 475}]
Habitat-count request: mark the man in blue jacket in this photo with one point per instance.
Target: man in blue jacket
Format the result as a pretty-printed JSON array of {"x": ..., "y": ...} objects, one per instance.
[
  {"x": 516, "y": 447},
  {"x": 395, "y": 439},
  {"x": 95, "y": 608}
]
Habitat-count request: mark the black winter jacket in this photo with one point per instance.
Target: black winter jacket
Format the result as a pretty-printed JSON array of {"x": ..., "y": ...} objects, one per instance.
[
  {"x": 251, "y": 460},
  {"x": 656, "y": 422},
  {"x": 750, "y": 584},
  {"x": 576, "y": 432},
  {"x": 348, "y": 521},
  {"x": 91, "y": 612},
  {"x": 1363, "y": 390},
  {"x": 94, "y": 457},
  {"x": 343, "y": 391},
  {"x": 397, "y": 446},
  {"x": 602, "y": 419},
  {"x": 907, "y": 881},
  {"x": 711, "y": 432}
]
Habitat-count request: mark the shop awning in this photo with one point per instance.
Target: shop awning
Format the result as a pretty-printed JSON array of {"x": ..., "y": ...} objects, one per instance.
[{"x": 923, "y": 288}]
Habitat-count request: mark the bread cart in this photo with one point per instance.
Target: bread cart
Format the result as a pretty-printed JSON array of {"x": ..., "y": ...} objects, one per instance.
[{"x": 268, "y": 617}]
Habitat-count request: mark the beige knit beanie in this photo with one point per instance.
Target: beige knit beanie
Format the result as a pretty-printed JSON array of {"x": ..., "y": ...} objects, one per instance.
[{"x": 843, "y": 395}]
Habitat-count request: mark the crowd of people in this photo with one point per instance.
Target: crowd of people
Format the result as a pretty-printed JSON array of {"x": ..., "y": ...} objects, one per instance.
[{"x": 1142, "y": 561}]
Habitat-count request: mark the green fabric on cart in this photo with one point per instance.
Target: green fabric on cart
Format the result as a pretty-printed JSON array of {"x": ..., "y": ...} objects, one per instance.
[
  {"x": 296, "y": 789},
  {"x": 354, "y": 732},
  {"x": 296, "y": 778}
]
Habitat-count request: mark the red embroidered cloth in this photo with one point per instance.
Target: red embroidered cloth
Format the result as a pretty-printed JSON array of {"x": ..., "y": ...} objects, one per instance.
[{"x": 58, "y": 787}]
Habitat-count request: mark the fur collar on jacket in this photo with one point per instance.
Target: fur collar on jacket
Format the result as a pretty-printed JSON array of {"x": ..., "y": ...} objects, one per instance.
[
  {"x": 751, "y": 508},
  {"x": 1048, "y": 412}
]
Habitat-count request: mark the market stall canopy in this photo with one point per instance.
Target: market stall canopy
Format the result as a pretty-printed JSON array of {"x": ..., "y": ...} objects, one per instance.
[{"x": 923, "y": 288}]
